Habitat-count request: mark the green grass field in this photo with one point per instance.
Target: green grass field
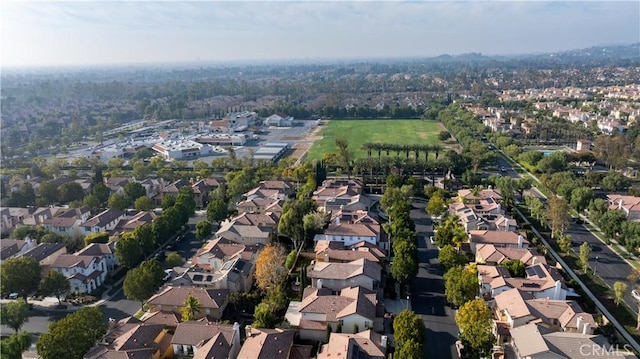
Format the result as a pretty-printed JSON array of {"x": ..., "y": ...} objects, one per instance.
[{"x": 358, "y": 132}]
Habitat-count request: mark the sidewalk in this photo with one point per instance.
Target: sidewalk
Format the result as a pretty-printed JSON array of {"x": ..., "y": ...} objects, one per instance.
[{"x": 397, "y": 305}]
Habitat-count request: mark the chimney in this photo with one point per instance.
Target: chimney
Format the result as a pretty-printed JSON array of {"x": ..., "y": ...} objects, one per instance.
[
  {"x": 579, "y": 323},
  {"x": 337, "y": 220},
  {"x": 586, "y": 330},
  {"x": 326, "y": 255},
  {"x": 319, "y": 285},
  {"x": 546, "y": 301},
  {"x": 557, "y": 290},
  {"x": 506, "y": 223},
  {"x": 112, "y": 324},
  {"x": 236, "y": 328},
  {"x": 533, "y": 261},
  {"x": 247, "y": 331},
  {"x": 621, "y": 203},
  {"x": 383, "y": 341},
  {"x": 520, "y": 240}
]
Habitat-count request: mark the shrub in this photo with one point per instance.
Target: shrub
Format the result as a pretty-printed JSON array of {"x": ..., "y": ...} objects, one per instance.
[{"x": 291, "y": 259}]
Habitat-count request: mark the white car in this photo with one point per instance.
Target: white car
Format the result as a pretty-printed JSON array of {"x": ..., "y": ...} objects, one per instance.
[
  {"x": 14, "y": 296},
  {"x": 167, "y": 274}
]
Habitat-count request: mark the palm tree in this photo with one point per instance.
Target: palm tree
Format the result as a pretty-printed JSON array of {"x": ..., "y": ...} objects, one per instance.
[{"x": 190, "y": 308}]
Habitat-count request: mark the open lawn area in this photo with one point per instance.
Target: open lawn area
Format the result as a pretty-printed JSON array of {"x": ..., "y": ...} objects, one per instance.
[{"x": 357, "y": 132}]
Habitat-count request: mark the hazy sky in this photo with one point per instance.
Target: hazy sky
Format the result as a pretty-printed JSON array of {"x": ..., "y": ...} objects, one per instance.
[{"x": 83, "y": 32}]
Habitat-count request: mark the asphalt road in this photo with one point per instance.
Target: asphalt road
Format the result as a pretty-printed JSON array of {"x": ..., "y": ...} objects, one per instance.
[
  {"x": 427, "y": 293},
  {"x": 609, "y": 266}
]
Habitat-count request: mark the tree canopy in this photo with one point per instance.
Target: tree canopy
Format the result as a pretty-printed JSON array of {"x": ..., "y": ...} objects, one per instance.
[
  {"x": 14, "y": 314},
  {"x": 20, "y": 275},
  {"x": 270, "y": 270},
  {"x": 72, "y": 336},
  {"x": 474, "y": 321},
  {"x": 461, "y": 284},
  {"x": 143, "y": 281},
  {"x": 408, "y": 326},
  {"x": 55, "y": 283}
]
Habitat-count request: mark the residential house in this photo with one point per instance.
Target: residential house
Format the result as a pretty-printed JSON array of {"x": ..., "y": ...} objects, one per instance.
[
  {"x": 261, "y": 205},
  {"x": 279, "y": 119},
  {"x": 41, "y": 214},
  {"x": 11, "y": 217},
  {"x": 132, "y": 338},
  {"x": 104, "y": 221},
  {"x": 354, "y": 307},
  {"x": 171, "y": 189},
  {"x": 85, "y": 272},
  {"x": 15, "y": 247},
  {"x": 473, "y": 196},
  {"x": 492, "y": 255},
  {"x": 331, "y": 251},
  {"x": 236, "y": 275},
  {"x": 46, "y": 254},
  {"x": 365, "y": 344},
  {"x": 541, "y": 281},
  {"x": 129, "y": 224},
  {"x": 244, "y": 233},
  {"x": 219, "y": 250},
  {"x": 534, "y": 341},
  {"x": 337, "y": 191},
  {"x": 361, "y": 272},
  {"x": 272, "y": 344},
  {"x": 497, "y": 238},
  {"x": 116, "y": 184},
  {"x": 352, "y": 228},
  {"x": 610, "y": 127},
  {"x": 170, "y": 298},
  {"x": 514, "y": 308},
  {"x": 271, "y": 189},
  {"x": 104, "y": 250},
  {"x": 68, "y": 222},
  {"x": 152, "y": 186},
  {"x": 202, "y": 189},
  {"x": 583, "y": 145},
  {"x": 204, "y": 340},
  {"x": 630, "y": 205}
]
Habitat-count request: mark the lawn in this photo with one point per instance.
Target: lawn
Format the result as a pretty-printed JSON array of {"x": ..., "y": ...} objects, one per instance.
[{"x": 358, "y": 132}]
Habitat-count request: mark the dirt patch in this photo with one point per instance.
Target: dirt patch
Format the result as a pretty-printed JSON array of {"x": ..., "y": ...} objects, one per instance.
[
  {"x": 301, "y": 148},
  {"x": 441, "y": 127},
  {"x": 423, "y": 134}
]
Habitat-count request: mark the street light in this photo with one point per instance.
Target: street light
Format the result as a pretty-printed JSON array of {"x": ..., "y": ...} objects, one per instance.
[
  {"x": 407, "y": 302},
  {"x": 595, "y": 266}
]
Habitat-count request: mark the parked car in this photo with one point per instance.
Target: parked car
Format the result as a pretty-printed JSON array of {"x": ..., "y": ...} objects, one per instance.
[{"x": 14, "y": 296}]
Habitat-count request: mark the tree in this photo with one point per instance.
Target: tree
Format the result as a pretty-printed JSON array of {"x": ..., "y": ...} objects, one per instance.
[
  {"x": 515, "y": 267},
  {"x": 314, "y": 223},
  {"x": 610, "y": 222},
  {"x": 408, "y": 326},
  {"x": 344, "y": 155},
  {"x": 522, "y": 185},
  {"x": 186, "y": 202},
  {"x": 20, "y": 275},
  {"x": 581, "y": 197},
  {"x": 142, "y": 282},
  {"x": 15, "y": 345},
  {"x": 450, "y": 257},
  {"x": 217, "y": 210},
  {"x": 128, "y": 251},
  {"x": 57, "y": 284},
  {"x": 265, "y": 315},
  {"x": 619, "y": 291},
  {"x": 99, "y": 237},
  {"x": 133, "y": 191},
  {"x": 558, "y": 214},
  {"x": 461, "y": 285},
  {"x": 564, "y": 242},
  {"x": 118, "y": 202},
  {"x": 69, "y": 192},
  {"x": 270, "y": 270},
  {"x": 203, "y": 230},
  {"x": 474, "y": 321},
  {"x": 190, "y": 308},
  {"x": 410, "y": 350},
  {"x": 72, "y": 336},
  {"x": 615, "y": 181},
  {"x": 444, "y": 135},
  {"x": 143, "y": 203},
  {"x": 585, "y": 252},
  {"x": 436, "y": 206},
  {"x": 145, "y": 238},
  {"x": 291, "y": 222},
  {"x": 92, "y": 201},
  {"x": 14, "y": 314},
  {"x": 174, "y": 259},
  {"x": 405, "y": 261}
]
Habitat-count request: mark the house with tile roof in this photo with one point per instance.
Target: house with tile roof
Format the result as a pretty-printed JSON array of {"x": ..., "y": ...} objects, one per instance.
[
  {"x": 261, "y": 205},
  {"x": 172, "y": 188},
  {"x": 492, "y": 255},
  {"x": 236, "y": 275},
  {"x": 366, "y": 344},
  {"x": 104, "y": 221},
  {"x": 117, "y": 184},
  {"x": 271, "y": 189},
  {"x": 132, "y": 338},
  {"x": 129, "y": 224},
  {"x": 272, "y": 344},
  {"x": 15, "y": 247},
  {"x": 171, "y": 298},
  {"x": 541, "y": 281},
  {"x": 85, "y": 272},
  {"x": 104, "y": 250},
  {"x": 501, "y": 239},
  {"x": 205, "y": 340},
  {"x": 245, "y": 234},
  {"x": 218, "y": 251},
  {"x": 328, "y": 251},
  {"x": 202, "y": 189},
  {"x": 336, "y": 276},
  {"x": 629, "y": 205},
  {"x": 46, "y": 253},
  {"x": 279, "y": 119},
  {"x": 336, "y": 190},
  {"x": 352, "y": 307},
  {"x": 352, "y": 228},
  {"x": 534, "y": 341}
]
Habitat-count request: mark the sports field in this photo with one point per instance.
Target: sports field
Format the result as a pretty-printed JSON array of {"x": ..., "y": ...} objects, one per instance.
[{"x": 358, "y": 132}]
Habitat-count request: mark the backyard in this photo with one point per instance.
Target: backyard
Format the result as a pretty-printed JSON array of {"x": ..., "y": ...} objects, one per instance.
[{"x": 357, "y": 132}]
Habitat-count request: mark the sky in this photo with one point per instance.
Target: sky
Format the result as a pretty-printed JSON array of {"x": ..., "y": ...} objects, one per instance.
[{"x": 56, "y": 33}]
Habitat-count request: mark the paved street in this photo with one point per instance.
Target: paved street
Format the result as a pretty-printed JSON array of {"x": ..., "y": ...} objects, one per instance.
[
  {"x": 427, "y": 293},
  {"x": 610, "y": 266}
]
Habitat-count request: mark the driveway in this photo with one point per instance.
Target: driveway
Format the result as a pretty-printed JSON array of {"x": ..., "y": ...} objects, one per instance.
[{"x": 427, "y": 293}]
